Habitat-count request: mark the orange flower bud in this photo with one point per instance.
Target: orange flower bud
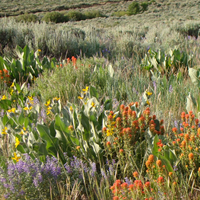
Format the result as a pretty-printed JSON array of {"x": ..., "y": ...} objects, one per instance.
[
  {"x": 191, "y": 156},
  {"x": 135, "y": 174},
  {"x": 151, "y": 158},
  {"x": 159, "y": 163}
]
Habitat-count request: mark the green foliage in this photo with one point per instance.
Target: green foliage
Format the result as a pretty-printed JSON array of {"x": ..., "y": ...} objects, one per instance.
[
  {"x": 55, "y": 17},
  {"x": 163, "y": 63},
  {"x": 27, "y": 18},
  {"x": 144, "y": 6},
  {"x": 27, "y": 67},
  {"x": 93, "y": 14},
  {"x": 133, "y": 8},
  {"x": 75, "y": 16}
]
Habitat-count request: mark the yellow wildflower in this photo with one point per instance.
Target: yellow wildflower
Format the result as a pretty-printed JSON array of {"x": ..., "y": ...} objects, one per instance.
[
  {"x": 148, "y": 93},
  {"x": 22, "y": 132},
  {"x": 109, "y": 132},
  {"x": 12, "y": 110},
  {"x": 30, "y": 98},
  {"x": 16, "y": 158},
  {"x": 24, "y": 128},
  {"x": 11, "y": 92},
  {"x": 80, "y": 97},
  {"x": 12, "y": 85},
  {"x": 48, "y": 103},
  {"x": 86, "y": 89},
  {"x": 17, "y": 142},
  {"x": 93, "y": 104},
  {"x": 56, "y": 99},
  {"x": 71, "y": 109},
  {"x": 148, "y": 103},
  {"x": 26, "y": 108},
  {"x": 4, "y": 97},
  {"x": 4, "y": 130},
  {"x": 49, "y": 110},
  {"x": 39, "y": 50},
  {"x": 31, "y": 108}
]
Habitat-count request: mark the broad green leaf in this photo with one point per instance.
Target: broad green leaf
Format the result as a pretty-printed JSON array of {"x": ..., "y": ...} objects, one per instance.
[
  {"x": 26, "y": 122},
  {"x": 108, "y": 104},
  {"x": 86, "y": 135},
  {"x": 75, "y": 140},
  {"x": 51, "y": 143},
  {"x": 52, "y": 129},
  {"x": 166, "y": 162},
  {"x": 5, "y": 104},
  {"x": 5, "y": 119},
  {"x": 93, "y": 92},
  {"x": 155, "y": 146},
  {"x": 21, "y": 149},
  {"x": 85, "y": 122},
  {"x": 1, "y": 63}
]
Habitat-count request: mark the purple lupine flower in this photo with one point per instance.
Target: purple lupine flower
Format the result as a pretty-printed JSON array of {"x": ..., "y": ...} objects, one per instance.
[
  {"x": 43, "y": 114},
  {"x": 28, "y": 86},
  {"x": 103, "y": 173},
  {"x": 154, "y": 85},
  {"x": 176, "y": 124},
  {"x": 127, "y": 180},
  {"x": 175, "y": 168},
  {"x": 21, "y": 193},
  {"x": 170, "y": 89},
  {"x": 19, "y": 108},
  {"x": 2, "y": 113},
  {"x": 35, "y": 100},
  {"x": 11, "y": 169},
  {"x": 94, "y": 169},
  {"x": 6, "y": 195},
  {"x": 67, "y": 167},
  {"x": 35, "y": 182}
]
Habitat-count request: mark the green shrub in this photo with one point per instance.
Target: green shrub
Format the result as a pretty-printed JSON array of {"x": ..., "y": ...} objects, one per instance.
[
  {"x": 93, "y": 14},
  {"x": 54, "y": 17},
  {"x": 144, "y": 6},
  {"x": 27, "y": 18},
  {"x": 75, "y": 16},
  {"x": 134, "y": 8}
]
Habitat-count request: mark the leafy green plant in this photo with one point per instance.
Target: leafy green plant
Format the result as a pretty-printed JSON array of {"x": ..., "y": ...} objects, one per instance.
[
  {"x": 75, "y": 16},
  {"x": 27, "y": 18},
  {"x": 144, "y": 6},
  {"x": 55, "y": 17},
  {"x": 28, "y": 65},
  {"x": 134, "y": 8},
  {"x": 93, "y": 14},
  {"x": 160, "y": 62}
]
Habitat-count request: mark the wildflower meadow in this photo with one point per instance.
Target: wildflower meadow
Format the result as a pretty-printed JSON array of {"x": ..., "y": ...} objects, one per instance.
[{"x": 110, "y": 119}]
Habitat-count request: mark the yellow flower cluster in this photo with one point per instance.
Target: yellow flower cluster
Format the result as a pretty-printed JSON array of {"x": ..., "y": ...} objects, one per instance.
[{"x": 4, "y": 130}]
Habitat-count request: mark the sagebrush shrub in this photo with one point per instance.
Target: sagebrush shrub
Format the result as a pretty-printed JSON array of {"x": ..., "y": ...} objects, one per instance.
[
  {"x": 134, "y": 8},
  {"x": 27, "y": 18},
  {"x": 54, "y": 17}
]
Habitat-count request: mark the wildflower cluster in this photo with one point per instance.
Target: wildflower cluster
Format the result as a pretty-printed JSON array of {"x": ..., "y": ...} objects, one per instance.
[
  {"x": 186, "y": 141},
  {"x": 136, "y": 189},
  {"x": 5, "y": 77},
  {"x": 29, "y": 178},
  {"x": 73, "y": 60}
]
